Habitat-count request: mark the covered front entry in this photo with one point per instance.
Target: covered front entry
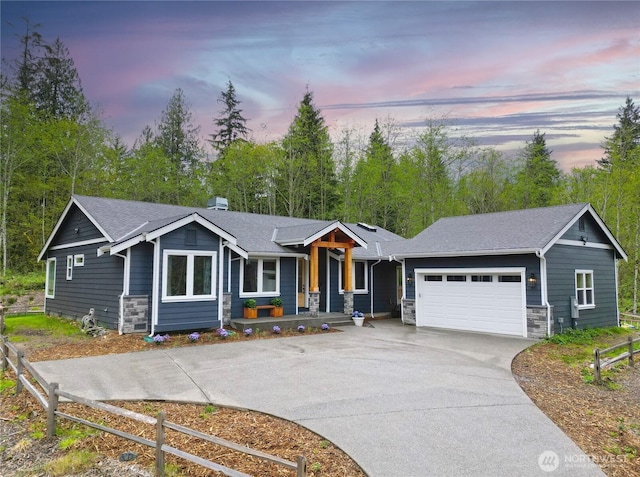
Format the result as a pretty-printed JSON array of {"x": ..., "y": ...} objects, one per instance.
[{"x": 490, "y": 300}]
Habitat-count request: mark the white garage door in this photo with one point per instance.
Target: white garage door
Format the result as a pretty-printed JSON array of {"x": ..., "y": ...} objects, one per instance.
[{"x": 486, "y": 300}]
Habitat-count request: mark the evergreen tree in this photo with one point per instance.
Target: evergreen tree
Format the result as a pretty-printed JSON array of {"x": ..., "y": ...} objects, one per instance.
[
  {"x": 375, "y": 176},
  {"x": 56, "y": 89},
  {"x": 536, "y": 181},
  {"x": 26, "y": 65},
  {"x": 622, "y": 145},
  {"x": 177, "y": 136},
  {"x": 231, "y": 124},
  {"x": 307, "y": 174}
]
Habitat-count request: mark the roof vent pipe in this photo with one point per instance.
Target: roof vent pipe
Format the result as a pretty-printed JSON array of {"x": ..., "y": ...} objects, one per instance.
[{"x": 218, "y": 203}]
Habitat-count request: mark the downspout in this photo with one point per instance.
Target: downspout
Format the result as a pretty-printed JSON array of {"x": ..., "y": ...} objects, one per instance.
[
  {"x": 543, "y": 288},
  {"x": 156, "y": 284},
  {"x": 615, "y": 274},
  {"x": 223, "y": 244},
  {"x": 125, "y": 283},
  {"x": 404, "y": 288},
  {"x": 372, "y": 288}
]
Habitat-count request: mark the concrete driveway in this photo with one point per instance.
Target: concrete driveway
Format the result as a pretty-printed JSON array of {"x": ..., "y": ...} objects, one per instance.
[{"x": 402, "y": 401}]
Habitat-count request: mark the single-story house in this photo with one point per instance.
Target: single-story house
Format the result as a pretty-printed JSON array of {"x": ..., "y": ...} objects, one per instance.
[
  {"x": 157, "y": 268},
  {"x": 529, "y": 273}
]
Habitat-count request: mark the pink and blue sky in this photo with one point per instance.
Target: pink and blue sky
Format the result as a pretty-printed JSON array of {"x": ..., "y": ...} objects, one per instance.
[{"x": 498, "y": 71}]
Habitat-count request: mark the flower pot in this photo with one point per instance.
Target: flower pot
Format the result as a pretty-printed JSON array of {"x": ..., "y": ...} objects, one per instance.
[
  {"x": 250, "y": 312},
  {"x": 275, "y": 312},
  {"x": 358, "y": 320}
]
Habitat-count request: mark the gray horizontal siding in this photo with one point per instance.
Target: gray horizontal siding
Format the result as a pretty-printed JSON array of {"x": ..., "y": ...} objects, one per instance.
[
  {"x": 76, "y": 227},
  {"x": 592, "y": 231},
  {"x": 97, "y": 284},
  {"x": 562, "y": 261},
  {"x": 141, "y": 270}
]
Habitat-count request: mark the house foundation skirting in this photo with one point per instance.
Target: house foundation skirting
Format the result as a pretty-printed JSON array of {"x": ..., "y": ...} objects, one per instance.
[{"x": 135, "y": 314}]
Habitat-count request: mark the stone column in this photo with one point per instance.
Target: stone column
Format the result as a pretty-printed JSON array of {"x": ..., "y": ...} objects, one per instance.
[
  {"x": 348, "y": 302},
  {"x": 408, "y": 311},
  {"x": 136, "y": 312},
  {"x": 226, "y": 308},
  {"x": 314, "y": 303}
]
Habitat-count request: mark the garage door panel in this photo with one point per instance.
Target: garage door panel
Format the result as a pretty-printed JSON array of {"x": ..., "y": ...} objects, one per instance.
[{"x": 495, "y": 307}]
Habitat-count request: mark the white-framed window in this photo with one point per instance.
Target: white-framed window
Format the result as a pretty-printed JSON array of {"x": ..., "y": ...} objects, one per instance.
[
  {"x": 78, "y": 260},
  {"x": 188, "y": 275},
  {"x": 260, "y": 277},
  {"x": 69, "y": 267},
  {"x": 359, "y": 274},
  {"x": 584, "y": 289},
  {"x": 50, "y": 291}
]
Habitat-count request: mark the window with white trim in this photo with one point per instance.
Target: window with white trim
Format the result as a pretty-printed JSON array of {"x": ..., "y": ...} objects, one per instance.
[
  {"x": 188, "y": 275},
  {"x": 360, "y": 277},
  {"x": 260, "y": 276},
  {"x": 78, "y": 260},
  {"x": 69, "y": 267},
  {"x": 50, "y": 291},
  {"x": 584, "y": 289}
]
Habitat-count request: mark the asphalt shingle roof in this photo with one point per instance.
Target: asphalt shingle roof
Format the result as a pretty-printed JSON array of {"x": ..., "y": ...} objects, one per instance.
[
  {"x": 124, "y": 219},
  {"x": 526, "y": 230}
]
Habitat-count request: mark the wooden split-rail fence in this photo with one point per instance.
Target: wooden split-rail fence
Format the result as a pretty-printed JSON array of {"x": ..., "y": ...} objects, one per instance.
[
  {"x": 49, "y": 401},
  {"x": 599, "y": 363}
]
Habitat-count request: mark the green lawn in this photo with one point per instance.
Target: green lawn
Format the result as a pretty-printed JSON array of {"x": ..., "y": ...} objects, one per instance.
[{"x": 24, "y": 328}]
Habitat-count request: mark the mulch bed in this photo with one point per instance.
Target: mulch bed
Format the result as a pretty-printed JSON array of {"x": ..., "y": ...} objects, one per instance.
[{"x": 604, "y": 423}]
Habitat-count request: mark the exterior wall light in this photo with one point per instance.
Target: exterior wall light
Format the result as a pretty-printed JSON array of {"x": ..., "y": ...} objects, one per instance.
[
  {"x": 532, "y": 281},
  {"x": 410, "y": 278}
]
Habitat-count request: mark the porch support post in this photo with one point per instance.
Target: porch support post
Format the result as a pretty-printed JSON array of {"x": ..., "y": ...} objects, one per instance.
[
  {"x": 348, "y": 273},
  {"x": 313, "y": 268}
]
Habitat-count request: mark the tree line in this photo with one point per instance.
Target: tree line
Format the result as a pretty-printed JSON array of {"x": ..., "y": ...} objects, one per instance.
[{"x": 55, "y": 143}]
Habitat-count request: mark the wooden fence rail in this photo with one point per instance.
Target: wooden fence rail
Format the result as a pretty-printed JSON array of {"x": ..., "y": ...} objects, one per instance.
[
  {"x": 599, "y": 364},
  {"x": 50, "y": 400}
]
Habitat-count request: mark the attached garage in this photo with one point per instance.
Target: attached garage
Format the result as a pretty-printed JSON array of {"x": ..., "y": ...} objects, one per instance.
[{"x": 489, "y": 300}]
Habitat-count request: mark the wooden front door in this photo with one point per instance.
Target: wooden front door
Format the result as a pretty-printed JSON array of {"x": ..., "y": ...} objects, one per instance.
[{"x": 302, "y": 283}]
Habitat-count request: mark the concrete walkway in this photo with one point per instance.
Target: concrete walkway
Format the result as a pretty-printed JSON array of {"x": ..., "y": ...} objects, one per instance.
[{"x": 402, "y": 401}]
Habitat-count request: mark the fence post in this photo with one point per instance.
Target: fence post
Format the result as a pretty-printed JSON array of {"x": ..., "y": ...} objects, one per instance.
[
  {"x": 5, "y": 353},
  {"x": 596, "y": 366},
  {"x": 630, "y": 338},
  {"x": 19, "y": 366},
  {"x": 51, "y": 410},
  {"x": 302, "y": 466},
  {"x": 159, "y": 444}
]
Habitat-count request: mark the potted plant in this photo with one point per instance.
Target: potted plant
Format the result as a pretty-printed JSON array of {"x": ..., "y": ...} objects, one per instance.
[
  {"x": 250, "y": 310},
  {"x": 358, "y": 318},
  {"x": 277, "y": 311}
]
